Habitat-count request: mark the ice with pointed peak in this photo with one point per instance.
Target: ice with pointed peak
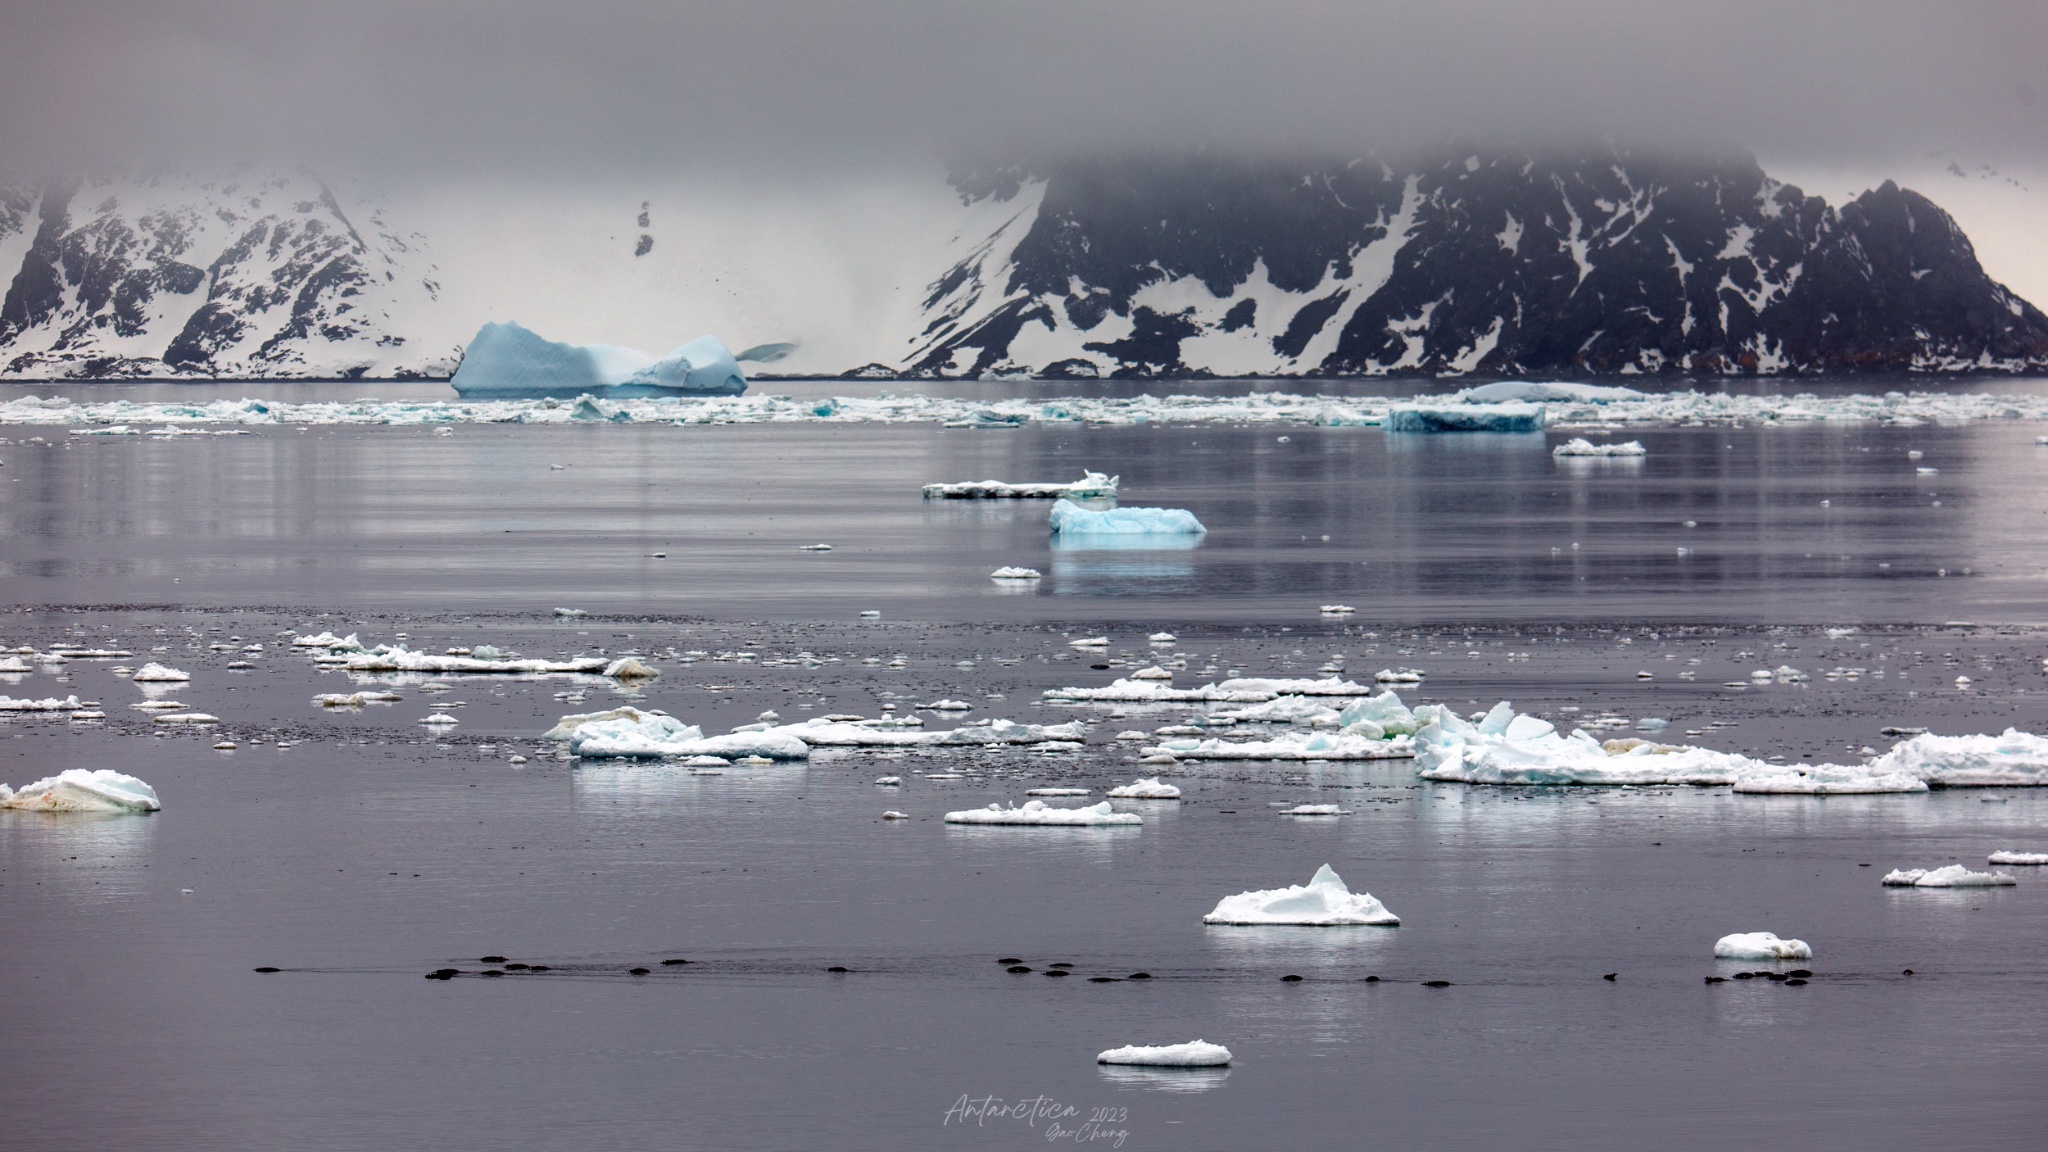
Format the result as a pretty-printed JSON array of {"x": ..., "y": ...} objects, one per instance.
[
  {"x": 1760, "y": 946},
  {"x": 630, "y": 668},
  {"x": 1952, "y": 876},
  {"x": 1195, "y": 1054},
  {"x": 2013, "y": 760},
  {"x": 1037, "y": 813},
  {"x": 1090, "y": 485},
  {"x": 12, "y": 665},
  {"x": 82, "y": 790},
  {"x": 1323, "y": 902},
  {"x": 1144, "y": 788},
  {"x": 49, "y": 704},
  {"x": 507, "y": 360},
  {"x": 1579, "y": 446},
  {"x": 2001, "y": 857},
  {"x": 1071, "y": 519},
  {"x": 154, "y": 672},
  {"x": 1505, "y": 416}
]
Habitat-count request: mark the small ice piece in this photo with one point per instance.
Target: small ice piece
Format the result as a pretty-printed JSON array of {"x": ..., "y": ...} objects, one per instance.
[
  {"x": 892, "y": 814},
  {"x": 571, "y": 612},
  {"x": 1577, "y": 446},
  {"x": 1150, "y": 788},
  {"x": 889, "y": 781},
  {"x": 1399, "y": 676},
  {"x": 1070, "y": 519},
  {"x": 1288, "y": 746},
  {"x": 1760, "y": 946},
  {"x": 1037, "y": 813},
  {"x": 1652, "y": 724},
  {"x": 1323, "y": 902},
  {"x": 1007, "y": 573},
  {"x": 355, "y": 699},
  {"x": 871, "y": 614},
  {"x": 1089, "y": 642},
  {"x": 1154, "y": 672},
  {"x": 50, "y": 704},
  {"x": 1284, "y": 710},
  {"x": 82, "y": 790},
  {"x": 1512, "y": 416},
  {"x": 707, "y": 762},
  {"x": 88, "y": 714},
  {"x": 946, "y": 706},
  {"x": 12, "y": 665},
  {"x": 2000, "y": 857},
  {"x": 630, "y": 668},
  {"x": 1953, "y": 876},
  {"x": 1824, "y": 780},
  {"x": 1786, "y": 674},
  {"x": 1162, "y": 638},
  {"x": 1196, "y": 1054},
  {"x": 1091, "y": 484},
  {"x": 814, "y": 547},
  {"x": 441, "y": 720},
  {"x": 1057, "y": 792},
  {"x": 153, "y": 672},
  {"x": 187, "y": 718},
  {"x": 1337, "y": 610},
  {"x": 1316, "y": 810},
  {"x": 483, "y": 659}
]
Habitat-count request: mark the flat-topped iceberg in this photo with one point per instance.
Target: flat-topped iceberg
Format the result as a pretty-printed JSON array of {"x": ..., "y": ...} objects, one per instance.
[
  {"x": 1288, "y": 746},
  {"x": 1760, "y": 946},
  {"x": 1824, "y": 780},
  {"x": 1071, "y": 519},
  {"x": 2001, "y": 857},
  {"x": 398, "y": 658},
  {"x": 1508, "y": 416},
  {"x": 831, "y": 734},
  {"x": 1149, "y": 689},
  {"x": 629, "y": 731},
  {"x": 1091, "y": 484},
  {"x": 1545, "y": 391},
  {"x": 1953, "y": 876},
  {"x": 82, "y": 790},
  {"x": 1150, "y": 788},
  {"x": 2015, "y": 759},
  {"x": 1322, "y": 902},
  {"x": 1195, "y": 1054},
  {"x": 1578, "y": 446},
  {"x": 508, "y": 360},
  {"x": 1038, "y": 813}
]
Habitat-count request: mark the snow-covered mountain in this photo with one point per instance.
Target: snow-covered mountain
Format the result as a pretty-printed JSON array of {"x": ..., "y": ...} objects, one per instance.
[
  {"x": 160, "y": 275},
  {"x": 1614, "y": 263},
  {"x": 1606, "y": 263}
]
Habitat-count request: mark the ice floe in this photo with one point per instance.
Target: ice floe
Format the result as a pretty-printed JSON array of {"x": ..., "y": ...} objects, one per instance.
[
  {"x": 82, "y": 790},
  {"x": 1506, "y": 416},
  {"x": 1324, "y": 901},
  {"x": 1952, "y": 876},
  {"x": 1280, "y": 710},
  {"x": 1136, "y": 689},
  {"x": 1071, "y": 519},
  {"x": 1144, "y": 788},
  {"x": 1760, "y": 946},
  {"x": 1056, "y": 792},
  {"x": 2014, "y": 759},
  {"x": 1091, "y": 484},
  {"x": 152, "y": 673},
  {"x": 1823, "y": 780},
  {"x": 1578, "y": 446},
  {"x": 1195, "y": 1054},
  {"x": 186, "y": 718},
  {"x": 2001, "y": 857},
  {"x": 355, "y": 699},
  {"x": 1008, "y": 573},
  {"x": 1287, "y": 746},
  {"x": 1038, "y": 813},
  {"x": 47, "y": 704},
  {"x": 487, "y": 660},
  {"x": 1315, "y": 810},
  {"x": 1545, "y": 392}
]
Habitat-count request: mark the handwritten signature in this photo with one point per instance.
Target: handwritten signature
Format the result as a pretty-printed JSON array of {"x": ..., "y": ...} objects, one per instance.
[{"x": 1060, "y": 1122}]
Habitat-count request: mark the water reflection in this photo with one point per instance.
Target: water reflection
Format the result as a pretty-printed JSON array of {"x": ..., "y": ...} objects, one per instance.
[
  {"x": 1130, "y": 1078},
  {"x": 80, "y": 856}
]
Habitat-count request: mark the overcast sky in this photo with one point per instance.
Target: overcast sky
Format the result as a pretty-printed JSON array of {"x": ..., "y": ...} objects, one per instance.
[{"x": 556, "y": 89}]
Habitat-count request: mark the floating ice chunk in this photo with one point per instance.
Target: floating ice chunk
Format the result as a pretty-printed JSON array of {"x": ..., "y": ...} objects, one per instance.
[
  {"x": 1057, "y": 792},
  {"x": 1150, "y": 788},
  {"x": 1237, "y": 691},
  {"x": 13, "y": 665},
  {"x": 633, "y": 733},
  {"x": 186, "y": 718},
  {"x": 1581, "y": 447},
  {"x": 1288, "y": 746},
  {"x": 1272, "y": 688},
  {"x": 1337, "y": 610},
  {"x": 1542, "y": 391},
  {"x": 508, "y": 360},
  {"x": 1162, "y": 638},
  {"x": 440, "y": 720},
  {"x": 2014, "y": 759},
  {"x": 1760, "y": 946},
  {"x": 1280, "y": 710},
  {"x": 817, "y": 548},
  {"x": 1070, "y": 519},
  {"x": 1154, "y": 672},
  {"x": 630, "y": 668},
  {"x": 483, "y": 660},
  {"x": 2001, "y": 857},
  {"x": 1196, "y": 1054},
  {"x": 1089, "y": 642},
  {"x": 889, "y": 781},
  {"x": 1511, "y": 416},
  {"x": 1825, "y": 780},
  {"x": 1399, "y": 676},
  {"x": 1953, "y": 876},
  {"x": 355, "y": 699},
  {"x": 1007, "y": 573},
  {"x": 1315, "y": 810},
  {"x": 571, "y": 612},
  {"x": 827, "y": 732},
  {"x": 892, "y": 814},
  {"x": 1091, "y": 484},
  {"x": 707, "y": 762},
  {"x": 1036, "y": 812},
  {"x": 947, "y": 706},
  {"x": 82, "y": 790},
  {"x": 153, "y": 672},
  {"x": 49, "y": 704},
  {"x": 661, "y": 722},
  {"x": 1323, "y": 902},
  {"x": 1786, "y": 674}
]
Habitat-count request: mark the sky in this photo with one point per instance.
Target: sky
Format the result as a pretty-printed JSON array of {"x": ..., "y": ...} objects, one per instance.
[{"x": 550, "y": 90}]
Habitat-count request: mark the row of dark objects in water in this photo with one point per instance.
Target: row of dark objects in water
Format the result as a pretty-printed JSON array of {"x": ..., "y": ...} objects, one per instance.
[{"x": 1795, "y": 977}]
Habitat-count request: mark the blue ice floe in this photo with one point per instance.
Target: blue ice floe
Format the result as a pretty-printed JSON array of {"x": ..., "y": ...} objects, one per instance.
[
  {"x": 507, "y": 360},
  {"x": 1070, "y": 519},
  {"x": 1512, "y": 416}
]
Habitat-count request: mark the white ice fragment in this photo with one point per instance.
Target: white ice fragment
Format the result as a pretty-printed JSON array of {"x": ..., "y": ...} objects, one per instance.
[
  {"x": 889, "y": 781},
  {"x": 1091, "y": 484},
  {"x": 1036, "y": 812},
  {"x": 1323, "y": 902},
  {"x": 1288, "y": 746},
  {"x": 1399, "y": 676},
  {"x": 153, "y": 672},
  {"x": 49, "y": 704},
  {"x": 571, "y": 612},
  {"x": 507, "y": 360},
  {"x": 1337, "y": 610},
  {"x": 1953, "y": 876},
  {"x": 1581, "y": 447},
  {"x": 1542, "y": 391},
  {"x": 12, "y": 665},
  {"x": 2004, "y": 857},
  {"x": 1316, "y": 810},
  {"x": 1825, "y": 780},
  {"x": 355, "y": 699},
  {"x": 1162, "y": 638},
  {"x": 947, "y": 706},
  {"x": 1007, "y": 573},
  {"x": 1760, "y": 946},
  {"x": 1144, "y": 788},
  {"x": 1070, "y": 519},
  {"x": 187, "y": 718},
  {"x": 630, "y": 668},
  {"x": 1057, "y": 792},
  {"x": 440, "y": 720},
  {"x": 1196, "y": 1054},
  {"x": 2014, "y": 759},
  {"x": 892, "y": 814},
  {"x": 1155, "y": 672},
  {"x": 483, "y": 660},
  {"x": 814, "y": 547},
  {"x": 1089, "y": 642},
  {"x": 82, "y": 790}
]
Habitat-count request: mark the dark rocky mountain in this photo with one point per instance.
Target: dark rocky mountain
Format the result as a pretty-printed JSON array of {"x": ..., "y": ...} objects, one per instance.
[{"x": 1612, "y": 263}]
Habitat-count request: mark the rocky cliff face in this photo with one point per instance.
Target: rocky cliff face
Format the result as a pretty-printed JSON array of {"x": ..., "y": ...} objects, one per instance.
[
  {"x": 1616, "y": 263},
  {"x": 165, "y": 276}
]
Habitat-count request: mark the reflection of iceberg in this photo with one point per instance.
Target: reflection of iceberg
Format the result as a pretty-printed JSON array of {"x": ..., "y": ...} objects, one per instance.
[
  {"x": 1163, "y": 1079},
  {"x": 508, "y": 360}
]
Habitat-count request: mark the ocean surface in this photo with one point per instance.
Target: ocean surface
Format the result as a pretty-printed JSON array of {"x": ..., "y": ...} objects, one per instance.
[{"x": 357, "y": 850}]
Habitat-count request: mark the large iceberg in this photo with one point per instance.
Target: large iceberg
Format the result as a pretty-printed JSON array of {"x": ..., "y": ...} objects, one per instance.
[
  {"x": 1760, "y": 946},
  {"x": 1038, "y": 813},
  {"x": 1196, "y": 1054},
  {"x": 1322, "y": 902},
  {"x": 82, "y": 790},
  {"x": 1091, "y": 484},
  {"x": 2015, "y": 759},
  {"x": 1511, "y": 416},
  {"x": 1070, "y": 519},
  {"x": 507, "y": 360}
]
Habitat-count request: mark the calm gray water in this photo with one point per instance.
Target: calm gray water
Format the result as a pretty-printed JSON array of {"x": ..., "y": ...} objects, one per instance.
[{"x": 367, "y": 853}]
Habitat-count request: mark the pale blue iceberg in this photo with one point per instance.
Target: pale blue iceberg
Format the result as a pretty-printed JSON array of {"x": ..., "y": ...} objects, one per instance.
[
  {"x": 1507, "y": 417},
  {"x": 1070, "y": 519},
  {"x": 511, "y": 361}
]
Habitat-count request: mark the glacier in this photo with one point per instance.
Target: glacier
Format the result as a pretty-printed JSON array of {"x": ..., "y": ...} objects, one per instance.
[
  {"x": 507, "y": 360},
  {"x": 1323, "y": 902}
]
